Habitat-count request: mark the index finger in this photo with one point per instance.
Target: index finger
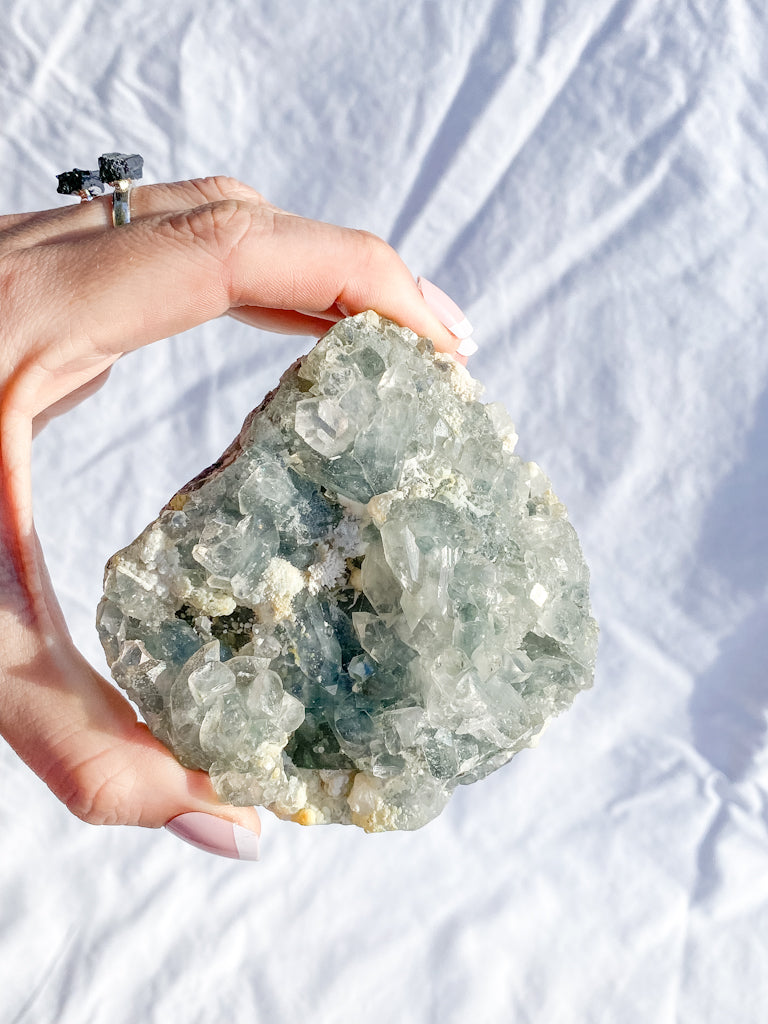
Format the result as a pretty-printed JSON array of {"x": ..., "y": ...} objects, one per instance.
[{"x": 127, "y": 287}]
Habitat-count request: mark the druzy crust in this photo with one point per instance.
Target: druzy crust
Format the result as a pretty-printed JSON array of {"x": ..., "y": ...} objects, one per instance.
[{"x": 366, "y": 601}]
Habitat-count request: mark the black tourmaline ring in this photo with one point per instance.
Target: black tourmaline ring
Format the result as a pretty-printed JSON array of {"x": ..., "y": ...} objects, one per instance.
[{"x": 118, "y": 170}]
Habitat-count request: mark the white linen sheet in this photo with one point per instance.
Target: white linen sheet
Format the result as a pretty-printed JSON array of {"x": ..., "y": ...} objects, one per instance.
[{"x": 588, "y": 181}]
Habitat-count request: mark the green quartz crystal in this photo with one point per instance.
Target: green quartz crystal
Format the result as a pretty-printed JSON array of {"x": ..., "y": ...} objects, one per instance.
[{"x": 366, "y": 601}]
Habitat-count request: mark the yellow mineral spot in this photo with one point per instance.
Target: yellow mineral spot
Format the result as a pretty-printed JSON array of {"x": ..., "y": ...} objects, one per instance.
[
  {"x": 178, "y": 501},
  {"x": 306, "y": 816}
]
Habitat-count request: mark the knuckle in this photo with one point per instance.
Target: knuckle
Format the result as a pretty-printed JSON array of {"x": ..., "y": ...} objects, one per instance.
[
  {"x": 208, "y": 239},
  {"x": 374, "y": 251},
  {"x": 99, "y": 793},
  {"x": 223, "y": 186},
  {"x": 217, "y": 227}
]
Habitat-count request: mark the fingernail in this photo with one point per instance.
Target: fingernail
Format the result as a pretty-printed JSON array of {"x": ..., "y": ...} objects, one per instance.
[
  {"x": 445, "y": 309},
  {"x": 467, "y": 347},
  {"x": 215, "y": 835}
]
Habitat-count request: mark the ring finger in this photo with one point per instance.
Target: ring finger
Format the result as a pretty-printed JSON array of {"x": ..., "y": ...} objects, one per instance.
[{"x": 68, "y": 223}]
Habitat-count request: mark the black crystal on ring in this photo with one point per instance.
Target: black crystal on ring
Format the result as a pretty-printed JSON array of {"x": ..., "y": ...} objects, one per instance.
[
  {"x": 72, "y": 183},
  {"x": 120, "y": 167}
]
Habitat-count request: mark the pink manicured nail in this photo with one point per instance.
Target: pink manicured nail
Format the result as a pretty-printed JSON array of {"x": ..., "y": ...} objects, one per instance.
[
  {"x": 445, "y": 309},
  {"x": 215, "y": 835}
]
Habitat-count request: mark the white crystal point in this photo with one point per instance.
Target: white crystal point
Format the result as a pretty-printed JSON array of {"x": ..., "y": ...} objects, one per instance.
[{"x": 369, "y": 600}]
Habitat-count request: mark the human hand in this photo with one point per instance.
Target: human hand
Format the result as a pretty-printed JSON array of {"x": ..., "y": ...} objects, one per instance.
[{"x": 75, "y": 295}]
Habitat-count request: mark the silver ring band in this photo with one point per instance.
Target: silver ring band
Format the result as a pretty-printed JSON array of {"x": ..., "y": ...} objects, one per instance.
[{"x": 121, "y": 206}]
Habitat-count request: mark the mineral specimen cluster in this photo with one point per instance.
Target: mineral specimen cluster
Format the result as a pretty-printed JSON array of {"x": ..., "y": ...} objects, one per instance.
[{"x": 366, "y": 601}]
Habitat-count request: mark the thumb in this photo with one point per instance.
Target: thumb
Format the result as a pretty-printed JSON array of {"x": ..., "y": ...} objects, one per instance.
[
  {"x": 81, "y": 736},
  {"x": 71, "y": 726}
]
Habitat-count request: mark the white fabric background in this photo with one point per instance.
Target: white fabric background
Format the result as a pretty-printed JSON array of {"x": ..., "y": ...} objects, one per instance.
[{"x": 588, "y": 180}]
